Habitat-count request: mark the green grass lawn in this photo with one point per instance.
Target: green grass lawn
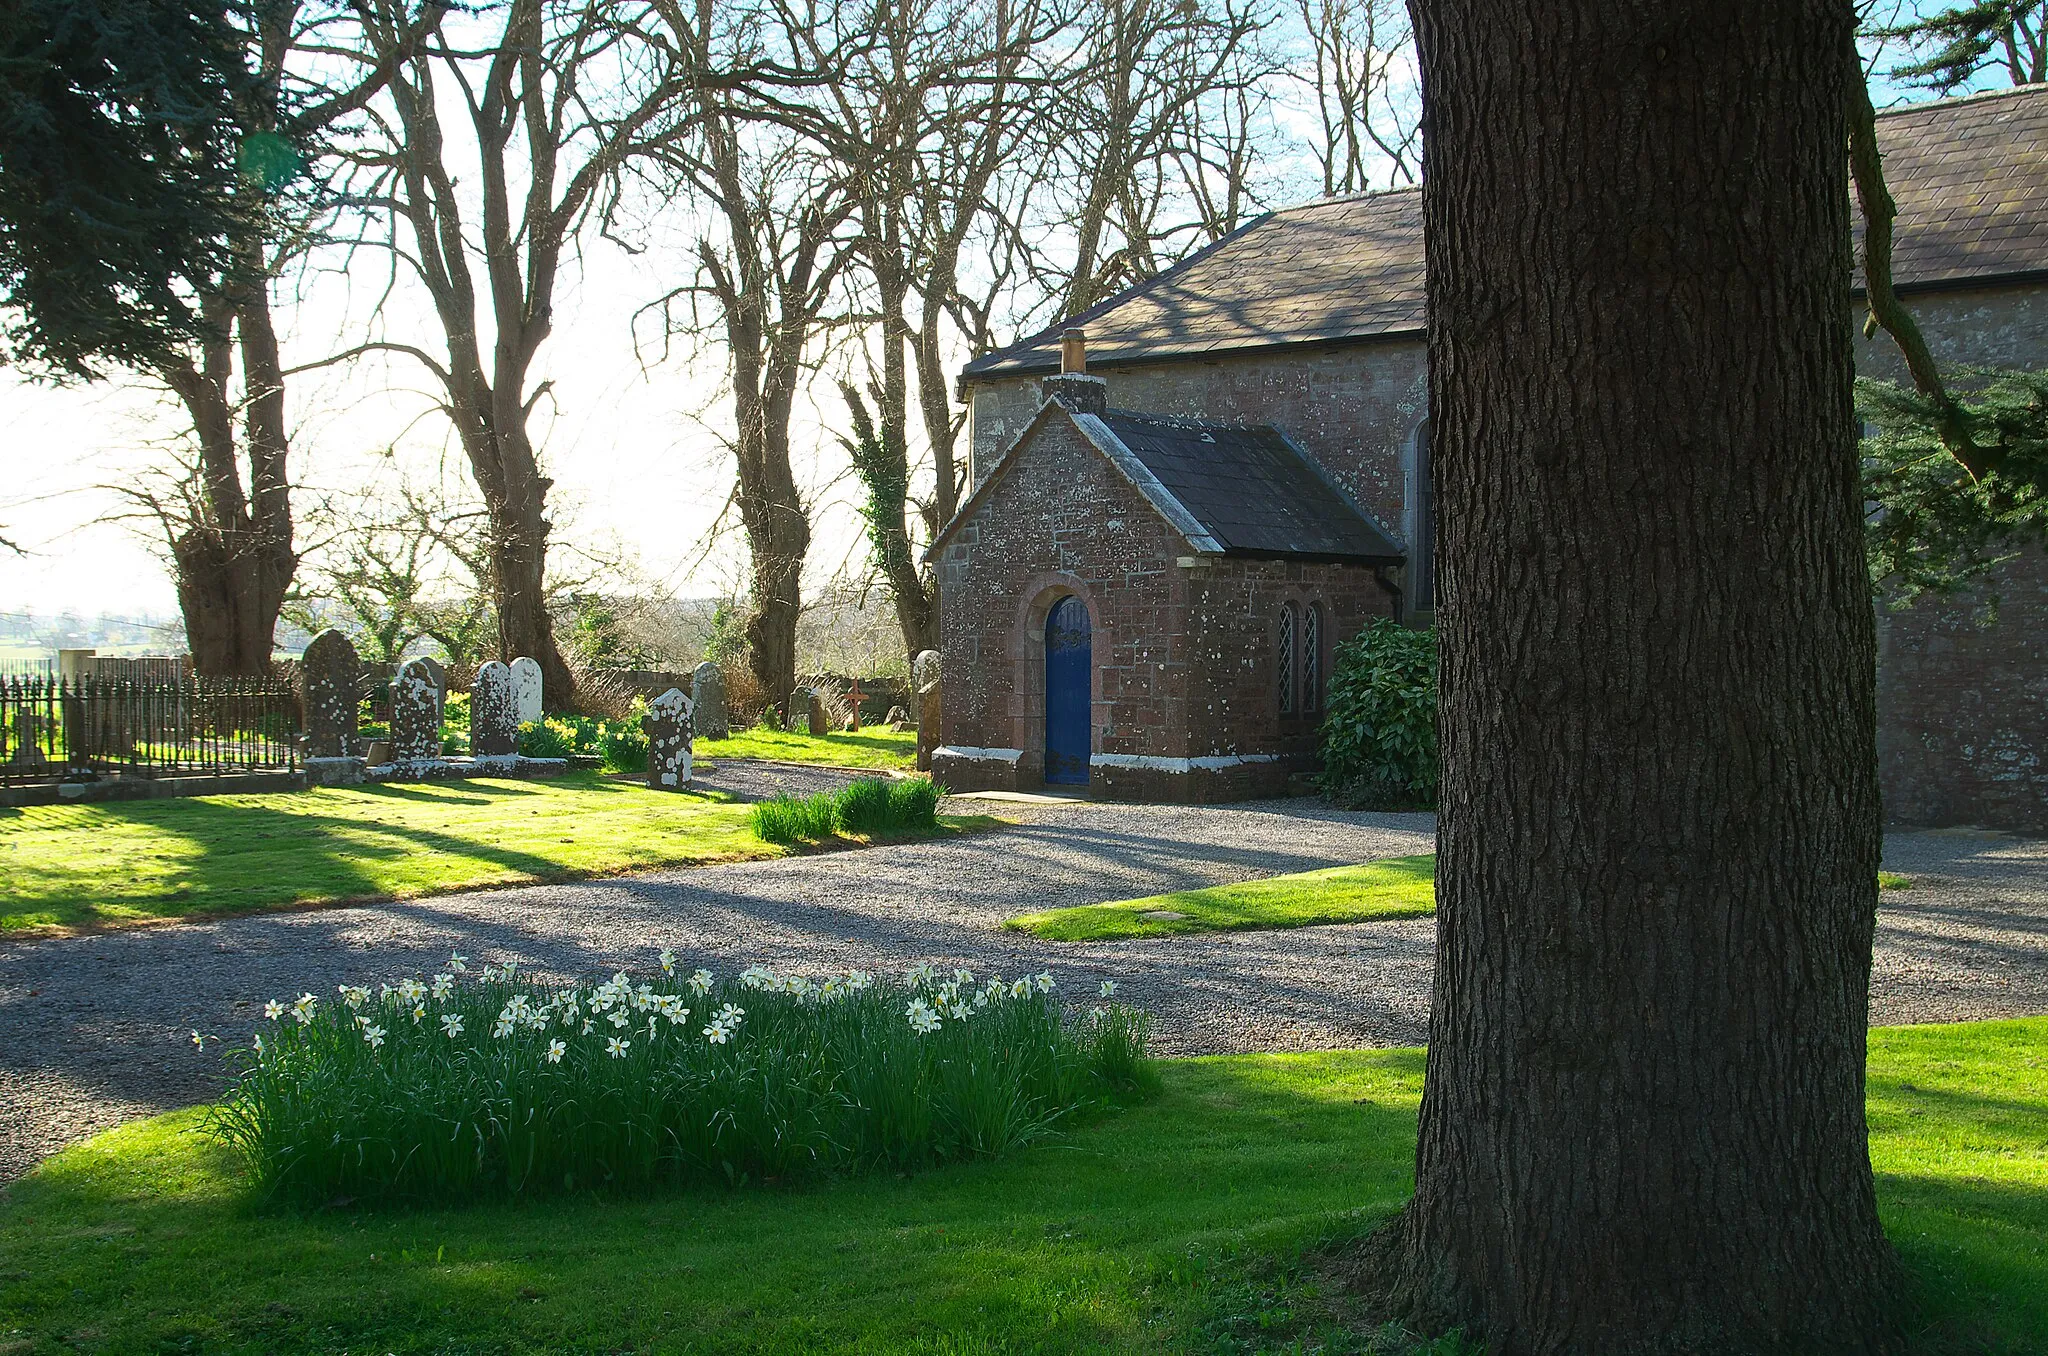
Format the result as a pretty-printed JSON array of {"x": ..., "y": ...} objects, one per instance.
[
  {"x": 1392, "y": 887},
  {"x": 67, "y": 866},
  {"x": 141, "y": 1240},
  {"x": 876, "y": 746}
]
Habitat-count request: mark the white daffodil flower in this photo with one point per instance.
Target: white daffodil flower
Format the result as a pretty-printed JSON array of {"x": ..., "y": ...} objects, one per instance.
[
  {"x": 273, "y": 1009},
  {"x": 617, "y": 1048},
  {"x": 555, "y": 1051},
  {"x": 451, "y": 1023}
]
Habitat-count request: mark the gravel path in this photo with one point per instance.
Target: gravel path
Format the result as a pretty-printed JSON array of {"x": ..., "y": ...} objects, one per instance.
[{"x": 93, "y": 1030}]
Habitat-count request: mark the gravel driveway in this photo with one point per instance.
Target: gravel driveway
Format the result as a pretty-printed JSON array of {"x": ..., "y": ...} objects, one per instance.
[{"x": 94, "y": 1030}]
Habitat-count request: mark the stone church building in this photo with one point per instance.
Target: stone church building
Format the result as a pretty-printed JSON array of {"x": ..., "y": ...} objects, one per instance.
[{"x": 1160, "y": 548}]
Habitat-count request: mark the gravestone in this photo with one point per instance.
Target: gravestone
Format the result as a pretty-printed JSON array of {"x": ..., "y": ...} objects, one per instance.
[
  {"x": 924, "y": 685},
  {"x": 667, "y": 724},
  {"x": 493, "y": 712},
  {"x": 526, "y": 689},
  {"x": 707, "y": 702},
  {"x": 328, "y": 673},
  {"x": 817, "y": 716},
  {"x": 416, "y": 713},
  {"x": 440, "y": 679}
]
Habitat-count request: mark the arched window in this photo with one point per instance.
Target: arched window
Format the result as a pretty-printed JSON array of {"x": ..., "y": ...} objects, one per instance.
[
  {"x": 1312, "y": 660},
  {"x": 1286, "y": 657}
]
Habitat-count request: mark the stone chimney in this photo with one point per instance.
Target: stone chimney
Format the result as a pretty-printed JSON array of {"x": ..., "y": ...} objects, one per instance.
[{"x": 1073, "y": 387}]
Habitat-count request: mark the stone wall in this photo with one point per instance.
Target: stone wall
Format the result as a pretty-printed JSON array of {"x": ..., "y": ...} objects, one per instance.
[
  {"x": 1352, "y": 408},
  {"x": 1962, "y": 706}
]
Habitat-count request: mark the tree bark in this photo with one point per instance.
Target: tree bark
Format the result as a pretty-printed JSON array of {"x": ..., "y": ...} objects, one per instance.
[
  {"x": 1642, "y": 1126},
  {"x": 231, "y": 548}
]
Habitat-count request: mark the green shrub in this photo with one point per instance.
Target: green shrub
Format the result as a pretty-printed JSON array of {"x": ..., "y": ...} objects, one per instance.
[
  {"x": 914, "y": 805},
  {"x": 873, "y": 807},
  {"x": 1379, "y": 738},
  {"x": 796, "y": 819},
  {"x": 863, "y": 807},
  {"x": 624, "y": 748},
  {"x": 550, "y": 738},
  {"x": 455, "y": 1088}
]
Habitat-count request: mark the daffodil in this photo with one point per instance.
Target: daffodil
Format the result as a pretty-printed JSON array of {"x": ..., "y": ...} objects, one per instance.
[
  {"x": 451, "y": 1023},
  {"x": 701, "y": 981},
  {"x": 668, "y": 961},
  {"x": 458, "y": 963},
  {"x": 1109, "y": 988},
  {"x": 617, "y": 1048},
  {"x": 273, "y": 1009},
  {"x": 555, "y": 1051},
  {"x": 444, "y": 985},
  {"x": 199, "y": 1040},
  {"x": 922, "y": 1019},
  {"x": 373, "y": 1036}
]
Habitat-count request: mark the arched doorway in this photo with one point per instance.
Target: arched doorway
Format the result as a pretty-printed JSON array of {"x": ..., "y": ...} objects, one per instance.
[{"x": 1069, "y": 678}]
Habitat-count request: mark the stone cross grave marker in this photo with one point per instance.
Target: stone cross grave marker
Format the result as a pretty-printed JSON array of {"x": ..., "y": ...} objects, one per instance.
[
  {"x": 493, "y": 712},
  {"x": 707, "y": 702},
  {"x": 667, "y": 724},
  {"x": 526, "y": 689},
  {"x": 329, "y": 674},
  {"x": 924, "y": 687},
  {"x": 416, "y": 712}
]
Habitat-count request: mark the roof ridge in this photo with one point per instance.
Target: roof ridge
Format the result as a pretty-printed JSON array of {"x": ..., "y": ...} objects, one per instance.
[
  {"x": 1339, "y": 199},
  {"x": 1979, "y": 97}
]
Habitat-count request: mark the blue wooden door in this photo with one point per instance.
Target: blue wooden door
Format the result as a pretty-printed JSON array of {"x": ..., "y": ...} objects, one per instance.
[{"x": 1069, "y": 672}]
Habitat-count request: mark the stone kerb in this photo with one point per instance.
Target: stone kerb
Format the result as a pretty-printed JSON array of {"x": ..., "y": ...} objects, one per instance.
[
  {"x": 416, "y": 698},
  {"x": 925, "y": 676},
  {"x": 493, "y": 712},
  {"x": 707, "y": 702},
  {"x": 669, "y": 740},
  {"x": 527, "y": 690}
]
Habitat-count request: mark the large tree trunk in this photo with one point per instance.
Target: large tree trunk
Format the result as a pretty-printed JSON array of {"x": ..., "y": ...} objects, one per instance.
[
  {"x": 1642, "y": 1127},
  {"x": 232, "y": 550}
]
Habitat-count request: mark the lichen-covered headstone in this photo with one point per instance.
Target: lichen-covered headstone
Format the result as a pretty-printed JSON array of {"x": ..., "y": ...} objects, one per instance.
[
  {"x": 493, "y": 712},
  {"x": 707, "y": 701},
  {"x": 667, "y": 724},
  {"x": 924, "y": 685},
  {"x": 416, "y": 713},
  {"x": 526, "y": 689},
  {"x": 329, "y": 673}
]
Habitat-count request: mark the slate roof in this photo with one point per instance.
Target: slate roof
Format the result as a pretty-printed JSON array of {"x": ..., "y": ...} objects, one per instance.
[
  {"x": 1228, "y": 489},
  {"x": 1252, "y": 490},
  {"x": 1970, "y": 176}
]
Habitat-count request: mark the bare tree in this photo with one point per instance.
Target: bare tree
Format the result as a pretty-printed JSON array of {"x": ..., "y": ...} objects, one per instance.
[
  {"x": 1370, "y": 113},
  {"x": 925, "y": 123},
  {"x": 770, "y": 253},
  {"x": 229, "y": 531},
  {"x": 557, "y": 96},
  {"x": 1146, "y": 92}
]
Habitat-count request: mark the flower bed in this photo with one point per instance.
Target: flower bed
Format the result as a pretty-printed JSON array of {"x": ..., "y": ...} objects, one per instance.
[{"x": 452, "y": 1086}]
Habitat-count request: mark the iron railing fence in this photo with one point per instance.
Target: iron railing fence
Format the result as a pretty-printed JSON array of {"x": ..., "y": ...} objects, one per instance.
[{"x": 53, "y": 728}]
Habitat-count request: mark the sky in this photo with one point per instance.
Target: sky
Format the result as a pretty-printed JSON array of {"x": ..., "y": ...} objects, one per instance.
[{"x": 633, "y": 444}]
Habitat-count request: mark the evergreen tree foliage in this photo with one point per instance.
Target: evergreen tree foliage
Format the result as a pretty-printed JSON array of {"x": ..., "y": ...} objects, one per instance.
[
  {"x": 1930, "y": 526},
  {"x": 118, "y": 168},
  {"x": 1954, "y": 45}
]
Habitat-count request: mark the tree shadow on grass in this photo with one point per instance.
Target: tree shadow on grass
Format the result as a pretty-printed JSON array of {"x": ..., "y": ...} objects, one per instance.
[
  {"x": 1083, "y": 1243},
  {"x": 252, "y": 853}
]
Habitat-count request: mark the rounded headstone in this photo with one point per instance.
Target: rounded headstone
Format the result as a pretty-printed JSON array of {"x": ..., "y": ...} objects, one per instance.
[
  {"x": 439, "y": 676},
  {"x": 707, "y": 701},
  {"x": 329, "y": 674},
  {"x": 416, "y": 713},
  {"x": 669, "y": 737},
  {"x": 527, "y": 689},
  {"x": 493, "y": 712}
]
